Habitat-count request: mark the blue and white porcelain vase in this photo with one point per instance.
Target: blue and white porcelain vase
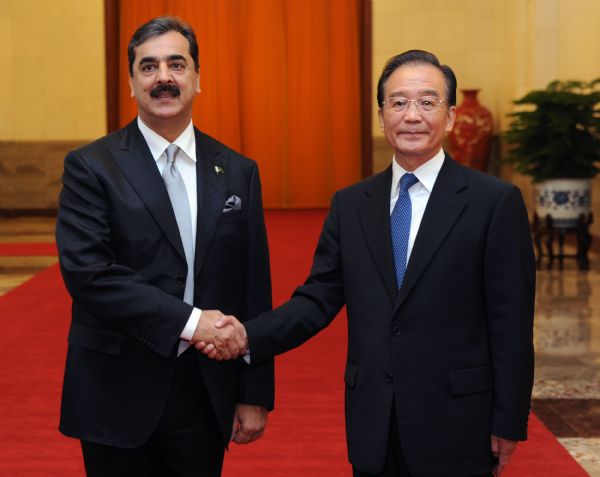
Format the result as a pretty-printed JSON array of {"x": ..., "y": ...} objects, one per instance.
[{"x": 563, "y": 199}]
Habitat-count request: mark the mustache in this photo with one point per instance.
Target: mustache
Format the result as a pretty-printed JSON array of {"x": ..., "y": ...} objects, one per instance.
[{"x": 170, "y": 88}]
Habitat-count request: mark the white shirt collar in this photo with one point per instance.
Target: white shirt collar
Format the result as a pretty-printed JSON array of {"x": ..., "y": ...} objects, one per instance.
[
  {"x": 426, "y": 173},
  {"x": 158, "y": 144}
]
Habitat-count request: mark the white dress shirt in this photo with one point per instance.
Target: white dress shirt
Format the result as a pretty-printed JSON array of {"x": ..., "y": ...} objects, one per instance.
[
  {"x": 419, "y": 193},
  {"x": 186, "y": 165}
]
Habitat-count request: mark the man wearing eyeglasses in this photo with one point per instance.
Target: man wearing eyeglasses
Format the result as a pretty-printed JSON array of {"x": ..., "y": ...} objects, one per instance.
[{"x": 435, "y": 264}]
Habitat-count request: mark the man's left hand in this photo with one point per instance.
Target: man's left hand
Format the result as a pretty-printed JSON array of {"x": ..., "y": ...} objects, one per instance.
[
  {"x": 503, "y": 450},
  {"x": 248, "y": 423}
]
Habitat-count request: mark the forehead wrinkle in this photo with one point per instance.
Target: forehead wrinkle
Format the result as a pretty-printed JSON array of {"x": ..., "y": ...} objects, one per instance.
[{"x": 415, "y": 74}]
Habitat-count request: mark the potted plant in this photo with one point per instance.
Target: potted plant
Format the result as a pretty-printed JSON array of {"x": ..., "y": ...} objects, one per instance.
[{"x": 556, "y": 141}]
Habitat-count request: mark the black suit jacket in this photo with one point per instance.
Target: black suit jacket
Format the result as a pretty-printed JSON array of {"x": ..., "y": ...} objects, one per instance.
[
  {"x": 123, "y": 263},
  {"x": 453, "y": 347}
]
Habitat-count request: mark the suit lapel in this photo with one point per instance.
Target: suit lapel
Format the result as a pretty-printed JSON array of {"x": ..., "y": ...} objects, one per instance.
[
  {"x": 444, "y": 207},
  {"x": 375, "y": 221},
  {"x": 211, "y": 174},
  {"x": 137, "y": 164}
]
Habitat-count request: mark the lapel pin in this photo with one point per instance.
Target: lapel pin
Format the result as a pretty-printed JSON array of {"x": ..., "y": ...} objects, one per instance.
[{"x": 219, "y": 170}]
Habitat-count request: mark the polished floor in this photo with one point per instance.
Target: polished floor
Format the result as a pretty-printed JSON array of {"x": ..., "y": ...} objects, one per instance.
[
  {"x": 15, "y": 270},
  {"x": 566, "y": 395}
]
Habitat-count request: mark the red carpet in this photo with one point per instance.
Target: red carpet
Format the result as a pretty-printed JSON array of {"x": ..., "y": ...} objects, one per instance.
[
  {"x": 34, "y": 322},
  {"x": 23, "y": 249},
  {"x": 305, "y": 436}
]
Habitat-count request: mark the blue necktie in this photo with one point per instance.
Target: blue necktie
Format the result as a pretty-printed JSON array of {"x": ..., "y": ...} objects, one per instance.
[{"x": 400, "y": 225}]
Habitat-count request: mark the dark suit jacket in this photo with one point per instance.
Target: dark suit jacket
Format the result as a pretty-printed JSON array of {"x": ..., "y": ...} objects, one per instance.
[
  {"x": 123, "y": 263},
  {"x": 453, "y": 347}
]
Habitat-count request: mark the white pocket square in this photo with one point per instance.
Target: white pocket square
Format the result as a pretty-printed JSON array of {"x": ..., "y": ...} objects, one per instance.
[{"x": 233, "y": 203}]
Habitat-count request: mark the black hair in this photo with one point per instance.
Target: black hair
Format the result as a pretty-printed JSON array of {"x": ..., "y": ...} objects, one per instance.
[
  {"x": 159, "y": 26},
  {"x": 417, "y": 57}
]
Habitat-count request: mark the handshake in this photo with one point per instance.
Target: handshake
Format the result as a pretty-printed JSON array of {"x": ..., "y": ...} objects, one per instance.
[{"x": 220, "y": 336}]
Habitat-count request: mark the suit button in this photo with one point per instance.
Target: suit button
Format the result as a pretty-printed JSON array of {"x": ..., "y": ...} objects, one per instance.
[
  {"x": 389, "y": 378},
  {"x": 396, "y": 331},
  {"x": 180, "y": 280}
]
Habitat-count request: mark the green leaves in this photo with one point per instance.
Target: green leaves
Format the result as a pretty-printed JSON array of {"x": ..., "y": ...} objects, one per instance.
[{"x": 558, "y": 135}]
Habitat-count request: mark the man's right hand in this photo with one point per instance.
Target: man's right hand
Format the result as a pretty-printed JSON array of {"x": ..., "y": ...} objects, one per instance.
[{"x": 228, "y": 341}]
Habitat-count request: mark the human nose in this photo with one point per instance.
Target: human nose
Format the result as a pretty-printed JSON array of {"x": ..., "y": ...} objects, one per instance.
[
  {"x": 412, "y": 112},
  {"x": 164, "y": 75}
]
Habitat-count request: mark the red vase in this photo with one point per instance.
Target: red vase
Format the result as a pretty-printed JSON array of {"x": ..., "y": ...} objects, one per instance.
[{"x": 471, "y": 138}]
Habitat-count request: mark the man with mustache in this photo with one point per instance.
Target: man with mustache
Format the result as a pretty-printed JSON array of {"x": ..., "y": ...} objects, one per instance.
[
  {"x": 165, "y": 90},
  {"x": 435, "y": 264},
  {"x": 158, "y": 226}
]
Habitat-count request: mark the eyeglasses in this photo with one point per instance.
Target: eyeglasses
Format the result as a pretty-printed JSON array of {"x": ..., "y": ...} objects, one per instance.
[{"x": 399, "y": 104}]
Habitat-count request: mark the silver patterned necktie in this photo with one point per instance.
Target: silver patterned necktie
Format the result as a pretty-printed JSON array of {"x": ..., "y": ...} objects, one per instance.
[
  {"x": 400, "y": 225},
  {"x": 181, "y": 207}
]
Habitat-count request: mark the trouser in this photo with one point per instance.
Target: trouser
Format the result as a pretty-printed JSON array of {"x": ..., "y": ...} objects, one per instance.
[
  {"x": 395, "y": 465},
  {"x": 186, "y": 442}
]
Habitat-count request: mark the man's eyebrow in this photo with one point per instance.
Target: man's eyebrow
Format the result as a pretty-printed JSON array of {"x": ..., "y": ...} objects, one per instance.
[
  {"x": 148, "y": 59},
  {"x": 426, "y": 92},
  {"x": 154, "y": 59}
]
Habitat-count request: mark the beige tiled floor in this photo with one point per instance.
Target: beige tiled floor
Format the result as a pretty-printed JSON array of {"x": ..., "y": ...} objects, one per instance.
[
  {"x": 585, "y": 451},
  {"x": 28, "y": 229},
  {"x": 567, "y": 339},
  {"x": 16, "y": 270}
]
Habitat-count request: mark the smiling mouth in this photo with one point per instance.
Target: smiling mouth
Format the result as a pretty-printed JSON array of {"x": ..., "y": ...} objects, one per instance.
[{"x": 165, "y": 98}]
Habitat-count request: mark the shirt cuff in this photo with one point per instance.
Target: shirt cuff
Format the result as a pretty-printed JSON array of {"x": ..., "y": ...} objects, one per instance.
[{"x": 191, "y": 325}]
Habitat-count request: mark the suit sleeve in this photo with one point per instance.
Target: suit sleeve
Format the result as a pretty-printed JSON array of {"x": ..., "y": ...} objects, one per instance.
[
  {"x": 510, "y": 295},
  {"x": 312, "y": 306},
  {"x": 257, "y": 381},
  {"x": 98, "y": 283}
]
